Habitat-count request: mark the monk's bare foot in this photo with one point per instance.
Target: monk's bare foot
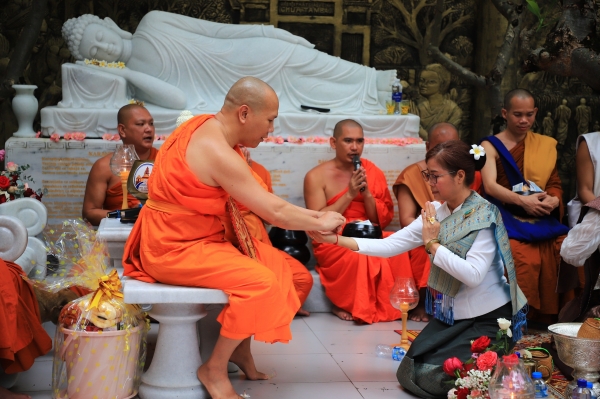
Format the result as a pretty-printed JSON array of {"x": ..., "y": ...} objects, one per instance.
[
  {"x": 419, "y": 313},
  {"x": 341, "y": 313},
  {"x": 302, "y": 312},
  {"x": 216, "y": 383},
  {"x": 6, "y": 394},
  {"x": 242, "y": 357}
]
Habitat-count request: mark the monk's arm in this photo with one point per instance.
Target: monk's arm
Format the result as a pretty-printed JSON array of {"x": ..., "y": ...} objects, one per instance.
[
  {"x": 407, "y": 206},
  {"x": 95, "y": 192},
  {"x": 531, "y": 203},
  {"x": 314, "y": 194},
  {"x": 585, "y": 179}
]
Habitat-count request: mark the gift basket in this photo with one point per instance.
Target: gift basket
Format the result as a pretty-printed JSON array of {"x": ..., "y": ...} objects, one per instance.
[{"x": 100, "y": 342}]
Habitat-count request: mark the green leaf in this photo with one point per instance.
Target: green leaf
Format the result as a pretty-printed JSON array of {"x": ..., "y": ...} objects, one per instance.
[
  {"x": 498, "y": 335},
  {"x": 532, "y": 6}
]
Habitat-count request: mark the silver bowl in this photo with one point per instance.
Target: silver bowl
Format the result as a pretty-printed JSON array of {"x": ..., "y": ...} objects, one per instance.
[{"x": 583, "y": 355}]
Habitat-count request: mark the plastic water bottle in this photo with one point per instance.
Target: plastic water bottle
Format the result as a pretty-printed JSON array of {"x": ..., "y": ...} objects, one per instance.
[
  {"x": 590, "y": 386},
  {"x": 396, "y": 353},
  {"x": 397, "y": 96},
  {"x": 581, "y": 391},
  {"x": 541, "y": 390}
]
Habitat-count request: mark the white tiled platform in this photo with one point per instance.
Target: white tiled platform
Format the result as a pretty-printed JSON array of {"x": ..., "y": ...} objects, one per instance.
[{"x": 327, "y": 358}]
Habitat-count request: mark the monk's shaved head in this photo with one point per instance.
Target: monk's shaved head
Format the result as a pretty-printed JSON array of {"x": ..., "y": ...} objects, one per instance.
[
  {"x": 339, "y": 127},
  {"x": 440, "y": 133},
  {"x": 520, "y": 93},
  {"x": 249, "y": 91},
  {"x": 126, "y": 111}
]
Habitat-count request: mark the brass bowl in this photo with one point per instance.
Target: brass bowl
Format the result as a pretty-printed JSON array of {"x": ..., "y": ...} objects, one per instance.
[{"x": 582, "y": 354}]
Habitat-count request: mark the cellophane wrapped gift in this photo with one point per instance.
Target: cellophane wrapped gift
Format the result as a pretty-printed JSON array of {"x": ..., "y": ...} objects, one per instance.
[{"x": 100, "y": 342}]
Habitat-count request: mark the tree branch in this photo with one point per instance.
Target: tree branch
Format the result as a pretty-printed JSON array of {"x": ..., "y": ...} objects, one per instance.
[
  {"x": 460, "y": 71},
  {"x": 505, "y": 7},
  {"x": 22, "y": 52},
  {"x": 506, "y": 50},
  {"x": 437, "y": 23},
  {"x": 451, "y": 26}
]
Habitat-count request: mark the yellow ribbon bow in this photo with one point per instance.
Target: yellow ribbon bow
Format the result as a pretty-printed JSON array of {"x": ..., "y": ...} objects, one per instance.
[{"x": 109, "y": 286}]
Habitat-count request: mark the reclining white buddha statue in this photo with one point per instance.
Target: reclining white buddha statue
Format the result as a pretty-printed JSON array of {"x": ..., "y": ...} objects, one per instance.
[{"x": 174, "y": 62}]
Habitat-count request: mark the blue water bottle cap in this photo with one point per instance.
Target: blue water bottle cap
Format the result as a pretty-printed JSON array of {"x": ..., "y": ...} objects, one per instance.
[
  {"x": 590, "y": 385},
  {"x": 536, "y": 374},
  {"x": 581, "y": 383}
]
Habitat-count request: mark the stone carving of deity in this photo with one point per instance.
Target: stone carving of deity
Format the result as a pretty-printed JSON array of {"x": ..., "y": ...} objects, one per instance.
[
  {"x": 548, "y": 125},
  {"x": 179, "y": 62},
  {"x": 583, "y": 117},
  {"x": 435, "y": 106},
  {"x": 562, "y": 114}
]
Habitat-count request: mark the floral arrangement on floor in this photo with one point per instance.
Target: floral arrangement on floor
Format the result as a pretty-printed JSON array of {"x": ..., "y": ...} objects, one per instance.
[
  {"x": 399, "y": 141},
  {"x": 104, "y": 64},
  {"x": 474, "y": 375},
  {"x": 14, "y": 184}
]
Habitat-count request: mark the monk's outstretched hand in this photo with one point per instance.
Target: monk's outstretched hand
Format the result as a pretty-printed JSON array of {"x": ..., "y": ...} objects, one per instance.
[{"x": 331, "y": 221}]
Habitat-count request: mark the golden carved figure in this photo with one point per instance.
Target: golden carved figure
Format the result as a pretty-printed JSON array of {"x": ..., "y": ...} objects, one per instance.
[
  {"x": 548, "y": 125},
  {"x": 435, "y": 106},
  {"x": 583, "y": 117},
  {"x": 562, "y": 116}
]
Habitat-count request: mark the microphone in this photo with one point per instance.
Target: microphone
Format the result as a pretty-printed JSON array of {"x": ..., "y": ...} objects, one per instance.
[{"x": 357, "y": 165}]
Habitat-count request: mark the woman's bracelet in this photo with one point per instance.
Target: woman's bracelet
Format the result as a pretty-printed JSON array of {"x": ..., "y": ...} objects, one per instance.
[{"x": 430, "y": 243}]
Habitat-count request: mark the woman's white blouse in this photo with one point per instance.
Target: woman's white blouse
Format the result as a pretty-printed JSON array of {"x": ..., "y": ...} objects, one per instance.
[{"x": 482, "y": 272}]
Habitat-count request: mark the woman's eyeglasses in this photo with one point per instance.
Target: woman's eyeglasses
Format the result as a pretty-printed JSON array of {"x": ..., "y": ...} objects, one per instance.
[{"x": 428, "y": 177}]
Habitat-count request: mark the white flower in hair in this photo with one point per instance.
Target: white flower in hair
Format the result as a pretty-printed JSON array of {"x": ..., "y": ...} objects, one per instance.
[{"x": 477, "y": 151}]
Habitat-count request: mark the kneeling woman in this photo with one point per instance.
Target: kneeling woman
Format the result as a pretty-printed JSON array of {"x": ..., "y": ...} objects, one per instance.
[{"x": 469, "y": 249}]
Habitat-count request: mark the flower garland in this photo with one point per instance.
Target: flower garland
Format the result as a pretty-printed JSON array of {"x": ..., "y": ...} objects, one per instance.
[
  {"x": 77, "y": 136},
  {"x": 14, "y": 185},
  {"x": 399, "y": 141},
  {"x": 104, "y": 64}
]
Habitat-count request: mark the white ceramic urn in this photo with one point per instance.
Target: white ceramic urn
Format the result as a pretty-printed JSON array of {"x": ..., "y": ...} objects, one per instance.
[{"x": 25, "y": 106}]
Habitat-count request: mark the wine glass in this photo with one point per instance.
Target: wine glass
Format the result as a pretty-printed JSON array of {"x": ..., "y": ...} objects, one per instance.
[
  {"x": 121, "y": 163},
  {"x": 404, "y": 296}
]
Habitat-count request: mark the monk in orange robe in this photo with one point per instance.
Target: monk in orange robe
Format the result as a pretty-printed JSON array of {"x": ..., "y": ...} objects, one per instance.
[
  {"x": 412, "y": 192},
  {"x": 358, "y": 285},
  {"x": 179, "y": 238},
  {"x": 536, "y": 262},
  {"x": 301, "y": 277},
  {"x": 103, "y": 191}
]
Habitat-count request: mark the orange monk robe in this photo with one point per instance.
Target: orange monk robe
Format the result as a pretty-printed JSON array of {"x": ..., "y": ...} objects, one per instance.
[
  {"x": 421, "y": 191},
  {"x": 22, "y": 337},
  {"x": 536, "y": 263},
  {"x": 356, "y": 283},
  {"x": 301, "y": 277},
  {"x": 179, "y": 240},
  {"x": 114, "y": 194}
]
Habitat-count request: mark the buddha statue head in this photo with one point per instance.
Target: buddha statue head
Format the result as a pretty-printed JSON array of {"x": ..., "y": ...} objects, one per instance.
[
  {"x": 90, "y": 37},
  {"x": 435, "y": 79}
]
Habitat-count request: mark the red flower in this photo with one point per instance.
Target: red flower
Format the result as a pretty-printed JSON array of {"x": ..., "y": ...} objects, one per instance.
[
  {"x": 480, "y": 344},
  {"x": 487, "y": 360},
  {"x": 451, "y": 365},
  {"x": 462, "y": 393},
  {"x": 2, "y": 199},
  {"x": 4, "y": 183},
  {"x": 29, "y": 193},
  {"x": 510, "y": 359}
]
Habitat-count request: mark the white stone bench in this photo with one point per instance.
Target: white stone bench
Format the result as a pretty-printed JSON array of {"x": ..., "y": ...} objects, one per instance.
[{"x": 172, "y": 372}]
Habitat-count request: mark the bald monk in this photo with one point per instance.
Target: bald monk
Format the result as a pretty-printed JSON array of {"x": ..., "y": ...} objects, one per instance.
[
  {"x": 301, "y": 277},
  {"x": 412, "y": 192},
  {"x": 533, "y": 221},
  {"x": 23, "y": 309},
  {"x": 179, "y": 238},
  {"x": 103, "y": 191},
  {"x": 357, "y": 285}
]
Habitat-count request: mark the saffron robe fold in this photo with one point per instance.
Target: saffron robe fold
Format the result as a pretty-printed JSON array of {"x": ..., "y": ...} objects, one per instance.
[
  {"x": 537, "y": 263},
  {"x": 361, "y": 284},
  {"x": 421, "y": 191},
  {"x": 22, "y": 337},
  {"x": 114, "y": 194},
  {"x": 301, "y": 277},
  {"x": 180, "y": 240}
]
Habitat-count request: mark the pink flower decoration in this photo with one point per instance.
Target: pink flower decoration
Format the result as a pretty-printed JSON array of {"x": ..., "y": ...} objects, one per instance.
[
  {"x": 68, "y": 136},
  {"x": 279, "y": 140},
  {"x": 55, "y": 137},
  {"x": 79, "y": 136},
  {"x": 38, "y": 134},
  {"x": 107, "y": 136},
  {"x": 12, "y": 167},
  {"x": 2, "y": 152}
]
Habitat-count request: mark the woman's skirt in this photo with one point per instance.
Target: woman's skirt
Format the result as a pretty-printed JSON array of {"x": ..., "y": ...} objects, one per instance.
[{"x": 421, "y": 369}]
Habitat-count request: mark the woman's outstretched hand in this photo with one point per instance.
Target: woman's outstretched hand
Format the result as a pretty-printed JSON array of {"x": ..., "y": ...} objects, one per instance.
[{"x": 431, "y": 226}]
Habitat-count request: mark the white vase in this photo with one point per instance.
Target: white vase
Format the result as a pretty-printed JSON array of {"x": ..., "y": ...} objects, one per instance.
[{"x": 25, "y": 106}]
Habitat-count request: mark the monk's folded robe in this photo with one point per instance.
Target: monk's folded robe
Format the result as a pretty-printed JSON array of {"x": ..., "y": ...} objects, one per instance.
[
  {"x": 22, "y": 337},
  {"x": 301, "y": 277},
  {"x": 361, "y": 284},
  {"x": 114, "y": 194},
  {"x": 179, "y": 239},
  {"x": 536, "y": 261},
  {"x": 412, "y": 178}
]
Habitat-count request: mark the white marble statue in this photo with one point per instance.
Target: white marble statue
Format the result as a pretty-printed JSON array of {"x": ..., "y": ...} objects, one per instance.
[{"x": 179, "y": 62}]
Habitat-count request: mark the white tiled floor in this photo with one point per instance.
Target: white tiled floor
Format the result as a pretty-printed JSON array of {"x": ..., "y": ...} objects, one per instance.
[{"x": 327, "y": 359}]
